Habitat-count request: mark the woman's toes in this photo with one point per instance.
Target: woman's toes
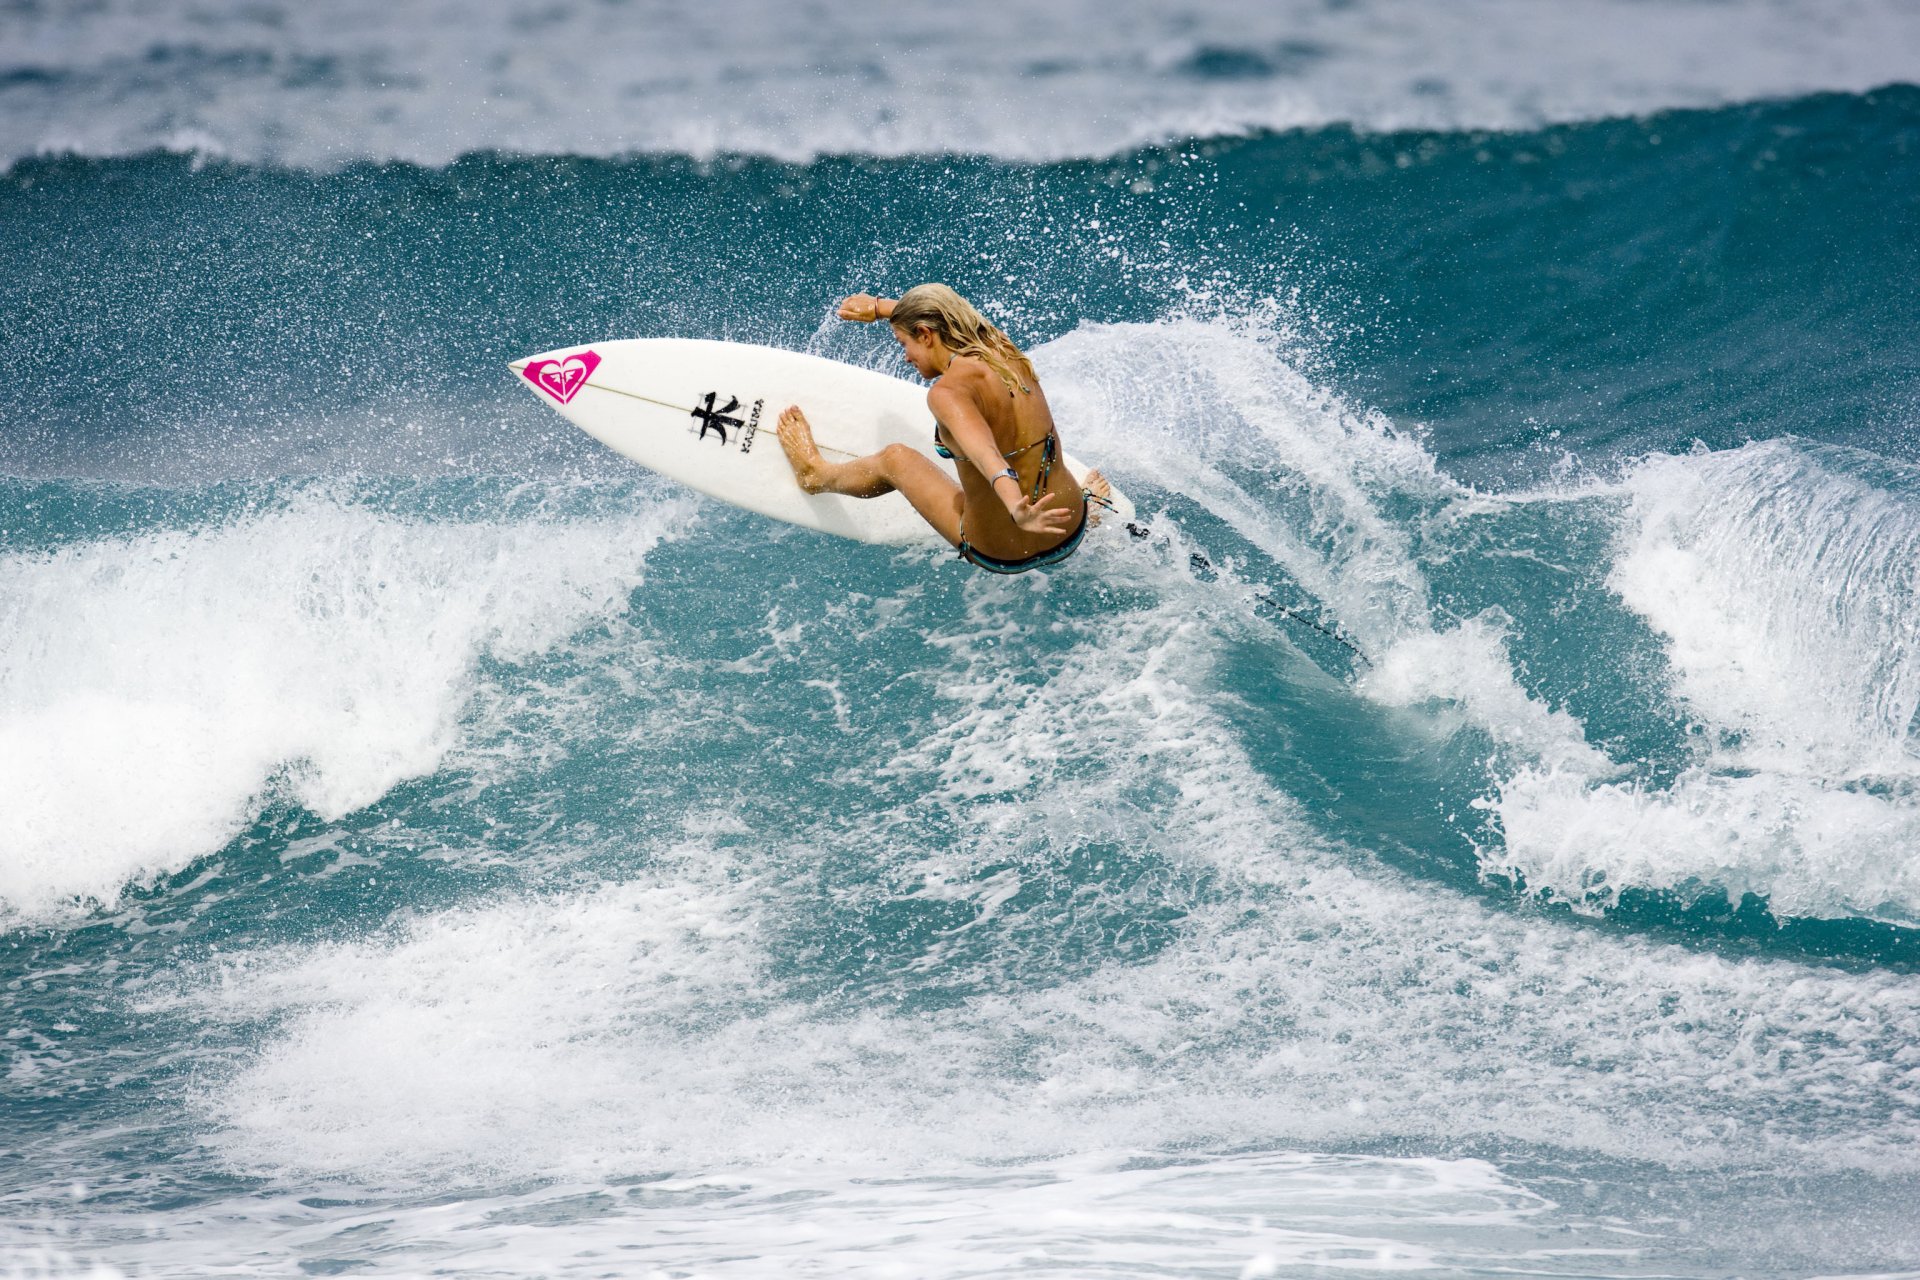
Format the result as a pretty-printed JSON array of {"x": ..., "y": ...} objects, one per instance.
[{"x": 1098, "y": 486}]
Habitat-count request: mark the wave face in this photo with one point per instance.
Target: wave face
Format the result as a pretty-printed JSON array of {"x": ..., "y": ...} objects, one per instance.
[
  {"x": 428, "y": 845},
  {"x": 325, "y": 85}
]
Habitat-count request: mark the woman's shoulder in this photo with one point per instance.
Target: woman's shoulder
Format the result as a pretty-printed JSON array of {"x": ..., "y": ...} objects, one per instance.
[
  {"x": 962, "y": 378},
  {"x": 978, "y": 378},
  {"x": 968, "y": 369}
]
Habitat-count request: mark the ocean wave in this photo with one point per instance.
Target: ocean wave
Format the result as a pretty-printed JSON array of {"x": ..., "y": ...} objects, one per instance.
[
  {"x": 1781, "y": 580},
  {"x": 312, "y": 87},
  {"x": 161, "y": 689},
  {"x": 1114, "y": 1213},
  {"x": 1771, "y": 748}
]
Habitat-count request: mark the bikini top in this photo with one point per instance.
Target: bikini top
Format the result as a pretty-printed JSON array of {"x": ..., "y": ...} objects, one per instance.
[{"x": 1051, "y": 445}]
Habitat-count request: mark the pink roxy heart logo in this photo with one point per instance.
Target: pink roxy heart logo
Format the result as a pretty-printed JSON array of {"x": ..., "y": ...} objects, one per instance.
[{"x": 563, "y": 378}]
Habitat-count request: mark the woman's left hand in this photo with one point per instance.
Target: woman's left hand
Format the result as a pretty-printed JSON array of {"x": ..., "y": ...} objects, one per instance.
[{"x": 1042, "y": 516}]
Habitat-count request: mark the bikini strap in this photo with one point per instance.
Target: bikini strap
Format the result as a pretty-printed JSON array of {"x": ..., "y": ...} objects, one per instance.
[{"x": 1046, "y": 464}]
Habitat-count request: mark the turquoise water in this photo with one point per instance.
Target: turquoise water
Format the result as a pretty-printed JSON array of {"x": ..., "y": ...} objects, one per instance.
[{"x": 428, "y": 845}]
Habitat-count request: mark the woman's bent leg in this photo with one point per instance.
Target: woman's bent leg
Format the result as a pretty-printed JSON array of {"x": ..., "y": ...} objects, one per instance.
[{"x": 931, "y": 491}]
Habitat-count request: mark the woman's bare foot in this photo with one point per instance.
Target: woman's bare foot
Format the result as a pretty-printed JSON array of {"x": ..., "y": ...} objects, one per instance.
[
  {"x": 1097, "y": 486},
  {"x": 796, "y": 437}
]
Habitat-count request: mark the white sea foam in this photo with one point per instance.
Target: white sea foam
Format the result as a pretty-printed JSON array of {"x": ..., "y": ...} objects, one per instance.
[
  {"x": 1789, "y": 594},
  {"x": 317, "y": 85},
  {"x": 455, "y": 1039},
  {"x": 1788, "y": 597},
  {"x": 1809, "y": 847},
  {"x": 1308, "y": 999},
  {"x": 157, "y": 691},
  {"x": 1100, "y": 1216},
  {"x": 1218, "y": 409},
  {"x": 1467, "y": 668}
]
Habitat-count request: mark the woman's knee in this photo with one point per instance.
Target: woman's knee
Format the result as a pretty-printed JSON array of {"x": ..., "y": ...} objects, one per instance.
[{"x": 896, "y": 458}]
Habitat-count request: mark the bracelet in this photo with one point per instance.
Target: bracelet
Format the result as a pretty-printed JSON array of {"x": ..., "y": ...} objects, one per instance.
[{"x": 1008, "y": 474}]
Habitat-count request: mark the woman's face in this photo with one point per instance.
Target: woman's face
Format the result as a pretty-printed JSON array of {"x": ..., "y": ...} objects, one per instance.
[{"x": 924, "y": 351}]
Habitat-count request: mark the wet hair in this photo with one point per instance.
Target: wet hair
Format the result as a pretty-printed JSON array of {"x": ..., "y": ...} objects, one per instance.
[{"x": 965, "y": 331}]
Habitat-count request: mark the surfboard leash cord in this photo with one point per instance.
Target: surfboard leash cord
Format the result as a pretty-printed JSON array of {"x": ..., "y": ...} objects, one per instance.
[{"x": 1263, "y": 600}]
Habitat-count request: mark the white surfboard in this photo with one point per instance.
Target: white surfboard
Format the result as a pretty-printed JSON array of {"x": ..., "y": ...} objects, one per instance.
[{"x": 704, "y": 413}]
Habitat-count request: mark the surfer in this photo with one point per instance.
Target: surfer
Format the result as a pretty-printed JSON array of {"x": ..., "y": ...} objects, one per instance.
[{"x": 1017, "y": 507}]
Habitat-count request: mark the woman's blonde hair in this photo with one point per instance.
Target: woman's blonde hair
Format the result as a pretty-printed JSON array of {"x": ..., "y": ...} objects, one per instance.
[{"x": 965, "y": 331}]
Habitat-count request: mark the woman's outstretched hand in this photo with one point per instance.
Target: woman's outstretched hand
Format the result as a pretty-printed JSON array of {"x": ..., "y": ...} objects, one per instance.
[
  {"x": 863, "y": 308},
  {"x": 1042, "y": 516}
]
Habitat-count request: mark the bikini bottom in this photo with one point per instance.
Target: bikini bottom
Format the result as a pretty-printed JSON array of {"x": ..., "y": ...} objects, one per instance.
[{"x": 1040, "y": 560}]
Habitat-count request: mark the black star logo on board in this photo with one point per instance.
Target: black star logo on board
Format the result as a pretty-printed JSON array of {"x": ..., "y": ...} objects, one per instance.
[{"x": 717, "y": 420}]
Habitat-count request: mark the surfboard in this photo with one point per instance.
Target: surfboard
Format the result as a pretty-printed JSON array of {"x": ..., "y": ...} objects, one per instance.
[{"x": 704, "y": 413}]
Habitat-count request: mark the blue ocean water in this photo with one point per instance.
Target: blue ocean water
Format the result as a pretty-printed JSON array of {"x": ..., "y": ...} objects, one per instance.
[{"x": 429, "y": 845}]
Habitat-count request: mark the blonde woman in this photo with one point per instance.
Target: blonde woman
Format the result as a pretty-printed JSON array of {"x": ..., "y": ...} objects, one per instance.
[{"x": 1017, "y": 507}]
